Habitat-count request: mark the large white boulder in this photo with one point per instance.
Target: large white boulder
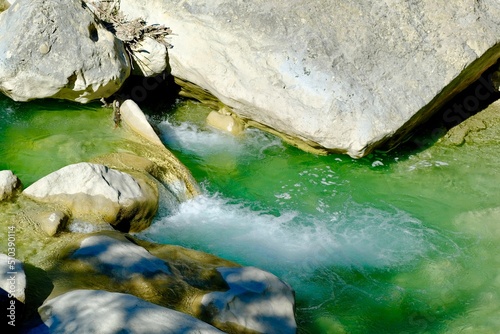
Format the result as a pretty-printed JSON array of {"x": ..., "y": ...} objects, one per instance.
[
  {"x": 99, "y": 194},
  {"x": 337, "y": 76},
  {"x": 96, "y": 311},
  {"x": 257, "y": 301},
  {"x": 58, "y": 49}
]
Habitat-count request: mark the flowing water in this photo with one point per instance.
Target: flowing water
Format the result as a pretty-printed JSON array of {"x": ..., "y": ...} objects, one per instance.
[{"x": 404, "y": 242}]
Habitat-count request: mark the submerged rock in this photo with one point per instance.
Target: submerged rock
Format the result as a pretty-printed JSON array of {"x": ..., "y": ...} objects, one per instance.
[
  {"x": 99, "y": 194},
  {"x": 58, "y": 49},
  {"x": 93, "y": 311},
  {"x": 331, "y": 76},
  {"x": 257, "y": 302},
  {"x": 9, "y": 184}
]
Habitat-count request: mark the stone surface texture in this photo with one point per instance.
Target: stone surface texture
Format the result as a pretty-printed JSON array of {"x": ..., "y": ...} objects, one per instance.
[
  {"x": 9, "y": 184},
  {"x": 256, "y": 301},
  {"x": 133, "y": 116},
  {"x": 96, "y": 311},
  {"x": 58, "y": 49},
  {"x": 120, "y": 258},
  {"x": 331, "y": 76},
  {"x": 14, "y": 284},
  {"x": 96, "y": 192}
]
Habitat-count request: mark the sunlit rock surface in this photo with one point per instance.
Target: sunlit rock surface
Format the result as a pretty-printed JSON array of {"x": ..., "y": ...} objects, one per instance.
[
  {"x": 58, "y": 49},
  {"x": 329, "y": 76},
  {"x": 98, "y": 193}
]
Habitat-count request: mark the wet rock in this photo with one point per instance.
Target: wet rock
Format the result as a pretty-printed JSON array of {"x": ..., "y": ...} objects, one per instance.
[
  {"x": 99, "y": 194},
  {"x": 93, "y": 311},
  {"x": 10, "y": 185},
  {"x": 58, "y": 49},
  {"x": 133, "y": 116},
  {"x": 52, "y": 222},
  {"x": 329, "y": 76},
  {"x": 225, "y": 122},
  {"x": 149, "y": 58},
  {"x": 256, "y": 301}
]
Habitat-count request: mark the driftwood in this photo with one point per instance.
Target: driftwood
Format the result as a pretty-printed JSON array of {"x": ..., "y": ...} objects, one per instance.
[{"x": 129, "y": 31}]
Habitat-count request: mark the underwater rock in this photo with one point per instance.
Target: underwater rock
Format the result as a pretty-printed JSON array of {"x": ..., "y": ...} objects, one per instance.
[
  {"x": 225, "y": 122},
  {"x": 99, "y": 194},
  {"x": 329, "y": 76},
  {"x": 58, "y": 49},
  {"x": 256, "y": 301},
  {"x": 9, "y": 184}
]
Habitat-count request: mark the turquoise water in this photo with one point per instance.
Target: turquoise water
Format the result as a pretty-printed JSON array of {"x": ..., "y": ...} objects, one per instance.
[
  {"x": 37, "y": 138},
  {"x": 404, "y": 242}
]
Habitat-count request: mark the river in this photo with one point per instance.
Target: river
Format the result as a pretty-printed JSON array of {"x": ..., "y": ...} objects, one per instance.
[{"x": 400, "y": 242}]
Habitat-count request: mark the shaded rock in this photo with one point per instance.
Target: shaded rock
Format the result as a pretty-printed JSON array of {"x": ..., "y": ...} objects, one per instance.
[
  {"x": 119, "y": 258},
  {"x": 52, "y": 222},
  {"x": 482, "y": 128},
  {"x": 9, "y": 184},
  {"x": 100, "y": 194},
  {"x": 92, "y": 311},
  {"x": 256, "y": 301},
  {"x": 225, "y": 123},
  {"x": 58, "y": 49},
  {"x": 133, "y": 116},
  {"x": 332, "y": 76},
  {"x": 12, "y": 291},
  {"x": 12, "y": 278}
]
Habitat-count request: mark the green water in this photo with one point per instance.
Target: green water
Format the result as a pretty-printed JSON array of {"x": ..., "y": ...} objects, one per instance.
[
  {"x": 37, "y": 138},
  {"x": 405, "y": 242}
]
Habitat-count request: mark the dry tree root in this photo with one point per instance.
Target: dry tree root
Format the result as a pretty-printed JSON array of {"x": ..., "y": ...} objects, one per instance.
[{"x": 131, "y": 32}]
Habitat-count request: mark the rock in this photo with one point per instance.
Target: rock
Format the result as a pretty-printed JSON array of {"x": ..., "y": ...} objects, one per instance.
[
  {"x": 99, "y": 194},
  {"x": 52, "y": 222},
  {"x": 93, "y": 311},
  {"x": 225, "y": 123},
  {"x": 9, "y": 184},
  {"x": 256, "y": 301},
  {"x": 335, "y": 76},
  {"x": 58, "y": 49},
  {"x": 149, "y": 58},
  {"x": 4, "y": 5},
  {"x": 120, "y": 258},
  {"x": 12, "y": 278},
  {"x": 12, "y": 290},
  {"x": 482, "y": 128},
  {"x": 133, "y": 116}
]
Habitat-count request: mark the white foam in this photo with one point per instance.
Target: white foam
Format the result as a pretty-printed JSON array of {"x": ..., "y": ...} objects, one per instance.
[
  {"x": 203, "y": 142},
  {"x": 355, "y": 236}
]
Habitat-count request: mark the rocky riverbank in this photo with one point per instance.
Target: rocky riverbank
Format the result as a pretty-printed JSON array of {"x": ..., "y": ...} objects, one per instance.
[{"x": 65, "y": 234}]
